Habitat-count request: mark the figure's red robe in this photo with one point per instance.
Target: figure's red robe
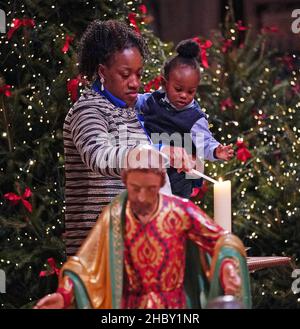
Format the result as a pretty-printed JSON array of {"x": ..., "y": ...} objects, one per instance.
[{"x": 154, "y": 253}]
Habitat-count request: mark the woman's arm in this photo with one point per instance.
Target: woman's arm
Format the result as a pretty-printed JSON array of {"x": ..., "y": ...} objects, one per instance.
[{"x": 97, "y": 147}]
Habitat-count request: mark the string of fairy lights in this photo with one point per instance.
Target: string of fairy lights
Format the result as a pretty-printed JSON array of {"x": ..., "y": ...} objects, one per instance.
[
  {"x": 254, "y": 175},
  {"x": 267, "y": 135},
  {"x": 289, "y": 170},
  {"x": 34, "y": 93}
]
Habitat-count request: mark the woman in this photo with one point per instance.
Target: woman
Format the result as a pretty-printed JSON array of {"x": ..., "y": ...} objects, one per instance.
[{"x": 102, "y": 126}]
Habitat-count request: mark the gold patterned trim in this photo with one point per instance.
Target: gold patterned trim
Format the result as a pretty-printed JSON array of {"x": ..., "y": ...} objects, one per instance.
[
  {"x": 92, "y": 256},
  {"x": 117, "y": 236}
]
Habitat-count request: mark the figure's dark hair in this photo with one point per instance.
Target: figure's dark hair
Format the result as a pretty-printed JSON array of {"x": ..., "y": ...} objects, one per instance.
[
  {"x": 187, "y": 54},
  {"x": 101, "y": 40}
]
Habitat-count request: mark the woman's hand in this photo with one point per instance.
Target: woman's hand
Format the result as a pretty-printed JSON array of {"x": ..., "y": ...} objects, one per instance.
[
  {"x": 178, "y": 158},
  {"x": 52, "y": 301}
]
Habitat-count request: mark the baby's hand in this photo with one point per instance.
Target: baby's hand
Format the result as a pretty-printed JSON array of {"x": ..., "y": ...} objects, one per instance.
[{"x": 224, "y": 152}]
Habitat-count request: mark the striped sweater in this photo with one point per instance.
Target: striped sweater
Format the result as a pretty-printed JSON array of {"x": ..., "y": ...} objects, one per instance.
[{"x": 97, "y": 135}]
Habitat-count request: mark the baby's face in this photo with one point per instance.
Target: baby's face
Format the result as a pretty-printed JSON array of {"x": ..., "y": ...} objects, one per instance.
[{"x": 182, "y": 85}]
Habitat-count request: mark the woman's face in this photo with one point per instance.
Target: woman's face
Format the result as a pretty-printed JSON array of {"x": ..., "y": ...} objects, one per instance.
[{"x": 122, "y": 75}]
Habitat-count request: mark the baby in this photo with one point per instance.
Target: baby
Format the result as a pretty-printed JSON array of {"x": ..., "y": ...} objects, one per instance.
[{"x": 173, "y": 109}]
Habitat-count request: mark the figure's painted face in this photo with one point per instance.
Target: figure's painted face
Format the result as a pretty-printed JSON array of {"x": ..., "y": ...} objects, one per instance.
[
  {"x": 122, "y": 75},
  {"x": 143, "y": 191},
  {"x": 182, "y": 85}
]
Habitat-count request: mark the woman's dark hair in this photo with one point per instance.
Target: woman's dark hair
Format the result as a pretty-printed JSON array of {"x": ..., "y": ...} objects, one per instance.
[
  {"x": 187, "y": 54},
  {"x": 101, "y": 40}
]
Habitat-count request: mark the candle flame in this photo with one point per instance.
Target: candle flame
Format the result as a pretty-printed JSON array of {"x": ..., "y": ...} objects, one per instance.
[{"x": 220, "y": 180}]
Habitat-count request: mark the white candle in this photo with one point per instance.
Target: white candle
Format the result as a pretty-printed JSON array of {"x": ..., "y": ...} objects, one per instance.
[{"x": 222, "y": 204}]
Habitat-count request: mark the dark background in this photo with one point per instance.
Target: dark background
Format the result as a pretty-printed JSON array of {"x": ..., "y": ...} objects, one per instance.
[{"x": 175, "y": 20}]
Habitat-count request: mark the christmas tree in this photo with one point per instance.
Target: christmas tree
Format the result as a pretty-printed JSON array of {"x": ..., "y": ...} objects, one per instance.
[
  {"x": 38, "y": 83},
  {"x": 251, "y": 94}
]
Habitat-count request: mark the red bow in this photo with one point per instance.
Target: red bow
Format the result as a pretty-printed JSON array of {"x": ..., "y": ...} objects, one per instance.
[
  {"x": 154, "y": 83},
  {"x": 5, "y": 90},
  {"x": 143, "y": 9},
  {"x": 203, "y": 47},
  {"x": 17, "y": 23},
  {"x": 66, "y": 46},
  {"x": 54, "y": 269},
  {"x": 226, "y": 45},
  {"x": 199, "y": 191},
  {"x": 240, "y": 26},
  {"x": 288, "y": 60},
  {"x": 14, "y": 198},
  {"x": 270, "y": 29},
  {"x": 72, "y": 87},
  {"x": 132, "y": 20},
  {"x": 226, "y": 104},
  {"x": 242, "y": 153}
]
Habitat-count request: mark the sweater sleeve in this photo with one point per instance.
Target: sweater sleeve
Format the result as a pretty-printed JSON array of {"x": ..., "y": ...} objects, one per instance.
[
  {"x": 97, "y": 148},
  {"x": 203, "y": 139}
]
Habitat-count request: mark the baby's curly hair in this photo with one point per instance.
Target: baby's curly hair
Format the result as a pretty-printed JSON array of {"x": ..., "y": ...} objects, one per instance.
[
  {"x": 187, "y": 54},
  {"x": 101, "y": 40}
]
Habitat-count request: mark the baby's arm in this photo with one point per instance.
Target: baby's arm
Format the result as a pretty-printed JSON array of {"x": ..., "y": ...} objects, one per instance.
[
  {"x": 141, "y": 105},
  {"x": 207, "y": 146},
  {"x": 204, "y": 141}
]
